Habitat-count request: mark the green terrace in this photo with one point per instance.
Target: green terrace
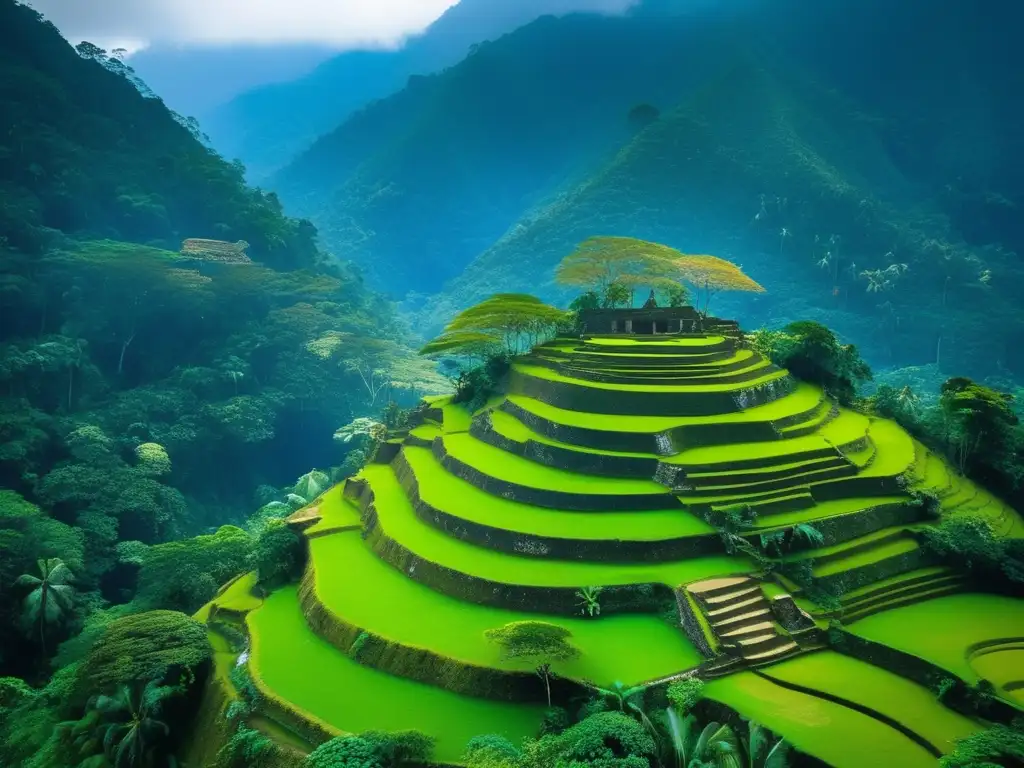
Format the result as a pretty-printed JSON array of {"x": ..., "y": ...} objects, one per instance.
[{"x": 586, "y": 494}]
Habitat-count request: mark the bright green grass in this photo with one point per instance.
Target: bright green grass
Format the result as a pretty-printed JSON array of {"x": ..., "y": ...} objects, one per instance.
[
  {"x": 401, "y": 609},
  {"x": 313, "y": 676},
  {"x": 621, "y": 362},
  {"x": 731, "y": 477},
  {"x": 895, "y": 449},
  {"x": 399, "y": 521},
  {"x": 425, "y": 431},
  {"x": 677, "y": 341},
  {"x": 803, "y": 398},
  {"x": 841, "y": 737},
  {"x": 771, "y": 449},
  {"x": 502, "y": 465},
  {"x": 826, "y": 509},
  {"x": 540, "y": 372},
  {"x": 1004, "y": 667},
  {"x": 456, "y": 418},
  {"x": 336, "y": 512},
  {"x": 461, "y": 499},
  {"x": 907, "y": 703},
  {"x": 893, "y": 582},
  {"x": 867, "y": 557},
  {"x": 237, "y": 596},
  {"x": 836, "y": 549},
  {"x": 944, "y": 630},
  {"x": 845, "y": 428},
  {"x": 508, "y": 426}
]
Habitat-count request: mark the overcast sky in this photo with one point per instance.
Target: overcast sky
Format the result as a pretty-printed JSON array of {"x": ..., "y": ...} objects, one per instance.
[{"x": 134, "y": 24}]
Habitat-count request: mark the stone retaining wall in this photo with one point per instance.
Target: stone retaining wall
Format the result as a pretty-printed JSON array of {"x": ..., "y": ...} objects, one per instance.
[
  {"x": 544, "y": 497},
  {"x": 421, "y": 664},
  {"x": 532, "y": 545}
]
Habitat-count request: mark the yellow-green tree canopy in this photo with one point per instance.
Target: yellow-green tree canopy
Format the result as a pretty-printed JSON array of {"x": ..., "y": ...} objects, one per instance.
[
  {"x": 509, "y": 322},
  {"x": 615, "y": 267},
  {"x": 712, "y": 274},
  {"x": 533, "y": 640},
  {"x": 600, "y": 264}
]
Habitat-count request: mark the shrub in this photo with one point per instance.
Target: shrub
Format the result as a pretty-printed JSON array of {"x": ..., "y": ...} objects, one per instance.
[
  {"x": 811, "y": 352},
  {"x": 995, "y": 746},
  {"x": 154, "y": 645},
  {"x": 684, "y": 694},
  {"x": 969, "y": 543}
]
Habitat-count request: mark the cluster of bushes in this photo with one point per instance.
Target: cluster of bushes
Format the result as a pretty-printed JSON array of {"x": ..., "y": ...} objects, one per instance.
[{"x": 811, "y": 352}]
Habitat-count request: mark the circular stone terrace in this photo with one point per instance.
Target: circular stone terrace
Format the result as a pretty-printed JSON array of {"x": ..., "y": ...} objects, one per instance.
[{"x": 609, "y": 466}]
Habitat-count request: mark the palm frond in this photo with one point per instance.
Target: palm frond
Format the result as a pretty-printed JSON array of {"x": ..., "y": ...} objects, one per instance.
[{"x": 28, "y": 580}]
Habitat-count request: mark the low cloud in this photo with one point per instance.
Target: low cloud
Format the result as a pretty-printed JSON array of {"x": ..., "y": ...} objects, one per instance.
[{"x": 134, "y": 24}]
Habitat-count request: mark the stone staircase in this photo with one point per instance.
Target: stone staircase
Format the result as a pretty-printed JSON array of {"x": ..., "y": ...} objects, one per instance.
[{"x": 741, "y": 618}]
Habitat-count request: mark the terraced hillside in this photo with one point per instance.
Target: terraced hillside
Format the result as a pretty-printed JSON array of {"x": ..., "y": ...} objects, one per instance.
[{"x": 636, "y": 491}]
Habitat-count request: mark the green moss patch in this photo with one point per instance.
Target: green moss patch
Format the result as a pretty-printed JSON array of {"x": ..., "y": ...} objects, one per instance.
[
  {"x": 945, "y": 630},
  {"x": 337, "y": 513},
  {"x": 312, "y": 678},
  {"x": 401, "y": 610},
  {"x": 508, "y": 467},
  {"x": 840, "y": 736},
  {"x": 459, "y": 498},
  {"x": 400, "y": 523},
  {"x": 908, "y": 703},
  {"x": 804, "y": 397}
]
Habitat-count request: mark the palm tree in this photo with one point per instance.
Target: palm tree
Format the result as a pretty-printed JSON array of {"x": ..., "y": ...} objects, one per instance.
[
  {"x": 763, "y": 749},
  {"x": 134, "y": 735},
  {"x": 51, "y": 597}
]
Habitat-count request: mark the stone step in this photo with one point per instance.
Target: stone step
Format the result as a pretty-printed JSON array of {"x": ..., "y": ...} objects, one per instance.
[
  {"x": 712, "y": 590},
  {"x": 772, "y": 654},
  {"x": 747, "y": 618},
  {"x": 738, "y": 606},
  {"x": 751, "y": 630}
]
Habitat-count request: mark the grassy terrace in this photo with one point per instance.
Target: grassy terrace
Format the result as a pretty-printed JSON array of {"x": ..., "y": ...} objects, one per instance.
[
  {"x": 866, "y": 557},
  {"x": 336, "y": 513},
  {"x": 678, "y": 341},
  {"x": 803, "y": 398},
  {"x": 840, "y": 736},
  {"x": 502, "y": 465},
  {"x": 400, "y": 523},
  {"x": 909, "y": 704},
  {"x": 315, "y": 679},
  {"x": 510, "y": 427},
  {"x": 444, "y": 491},
  {"x": 947, "y": 629},
  {"x": 454, "y": 629},
  {"x": 540, "y": 372}
]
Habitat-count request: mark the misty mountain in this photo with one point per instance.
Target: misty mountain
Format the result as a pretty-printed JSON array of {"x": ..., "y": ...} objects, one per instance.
[
  {"x": 269, "y": 125},
  {"x": 510, "y": 157},
  {"x": 416, "y": 185},
  {"x": 196, "y": 80}
]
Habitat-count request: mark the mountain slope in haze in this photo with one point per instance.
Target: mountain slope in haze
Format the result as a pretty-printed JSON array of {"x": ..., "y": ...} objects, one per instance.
[
  {"x": 416, "y": 185},
  {"x": 83, "y": 152},
  {"x": 269, "y": 125},
  {"x": 196, "y": 81},
  {"x": 756, "y": 152}
]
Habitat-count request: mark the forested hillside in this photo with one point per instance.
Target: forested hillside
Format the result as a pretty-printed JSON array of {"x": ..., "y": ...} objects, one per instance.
[
  {"x": 883, "y": 132},
  {"x": 147, "y": 394},
  {"x": 416, "y": 185},
  {"x": 252, "y": 126}
]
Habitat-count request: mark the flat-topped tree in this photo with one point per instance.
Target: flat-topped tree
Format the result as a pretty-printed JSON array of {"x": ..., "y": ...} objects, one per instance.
[
  {"x": 509, "y": 323},
  {"x": 538, "y": 641},
  {"x": 613, "y": 267},
  {"x": 712, "y": 275}
]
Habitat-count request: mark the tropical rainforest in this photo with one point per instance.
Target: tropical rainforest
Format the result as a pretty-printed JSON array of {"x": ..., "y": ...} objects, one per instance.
[{"x": 422, "y": 427}]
